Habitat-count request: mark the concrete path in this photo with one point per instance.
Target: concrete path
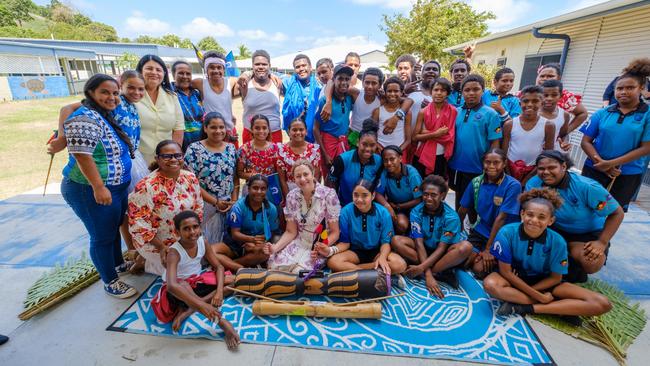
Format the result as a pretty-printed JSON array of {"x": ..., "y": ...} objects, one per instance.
[{"x": 36, "y": 232}]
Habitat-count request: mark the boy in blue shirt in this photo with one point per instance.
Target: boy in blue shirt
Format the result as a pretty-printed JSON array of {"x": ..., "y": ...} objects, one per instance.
[
  {"x": 459, "y": 69},
  {"x": 252, "y": 222},
  {"x": 532, "y": 259},
  {"x": 478, "y": 128},
  {"x": 617, "y": 138},
  {"x": 587, "y": 220},
  {"x": 435, "y": 244},
  {"x": 399, "y": 188},
  {"x": 500, "y": 99},
  {"x": 366, "y": 232}
]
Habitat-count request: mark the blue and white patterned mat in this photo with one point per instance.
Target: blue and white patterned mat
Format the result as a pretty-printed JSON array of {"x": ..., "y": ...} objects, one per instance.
[{"x": 463, "y": 326}]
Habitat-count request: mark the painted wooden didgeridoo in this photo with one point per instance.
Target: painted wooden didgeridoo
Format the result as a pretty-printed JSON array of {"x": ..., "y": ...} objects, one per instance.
[
  {"x": 366, "y": 283},
  {"x": 318, "y": 309}
]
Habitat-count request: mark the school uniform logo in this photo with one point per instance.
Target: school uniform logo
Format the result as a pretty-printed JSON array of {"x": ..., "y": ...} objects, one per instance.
[
  {"x": 497, "y": 200},
  {"x": 415, "y": 227},
  {"x": 478, "y": 116},
  {"x": 564, "y": 263},
  {"x": 601, "y": 205},
  {"x": 233, "y": 217},
  {"x": 497, "y": 130},
  {"x": 497, "y": 247},
  {"x": 448, "y": 234}
]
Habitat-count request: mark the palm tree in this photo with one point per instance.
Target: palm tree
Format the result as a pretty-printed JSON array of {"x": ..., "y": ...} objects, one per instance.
[{"x": 244, "y": 52}]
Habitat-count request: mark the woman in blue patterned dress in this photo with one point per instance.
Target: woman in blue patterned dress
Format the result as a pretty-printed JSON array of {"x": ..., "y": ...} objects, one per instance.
[
  {"x": 214, "y": 162},
  {"x": 97, "y": 177}
]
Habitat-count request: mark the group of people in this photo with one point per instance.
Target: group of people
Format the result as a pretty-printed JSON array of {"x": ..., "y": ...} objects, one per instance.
[{"x": 360, "y": 184}]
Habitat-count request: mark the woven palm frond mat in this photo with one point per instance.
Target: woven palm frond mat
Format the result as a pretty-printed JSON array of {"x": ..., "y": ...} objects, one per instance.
[
  {"x": 57, "y": 285},
  {"x": 614, "y": 331}
]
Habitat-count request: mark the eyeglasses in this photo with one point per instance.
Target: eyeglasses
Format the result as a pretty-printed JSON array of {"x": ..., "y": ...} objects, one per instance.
[{"x": 168, "y": 157}]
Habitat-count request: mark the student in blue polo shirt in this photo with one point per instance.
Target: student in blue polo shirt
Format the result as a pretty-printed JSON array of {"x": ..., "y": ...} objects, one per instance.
[
  {"x": 360, "y": 163},
  {"x": 331, "y": 134},
  {"x": 478, "y": 128},
  {"x": 366, "y": 232},
  {"x": 251, "y": 224},
  {"x": 532, "y": 259},
  {"x": 587, "y": 220},
  {"x": 399, "y": 188},
  {"x": 617, "y": 138},
  {"x": 500, "y": 99},
  {"x": 459, "y": 69},
  {"x": 493, "y": 196},
  {"x": 435, "y": 244}
]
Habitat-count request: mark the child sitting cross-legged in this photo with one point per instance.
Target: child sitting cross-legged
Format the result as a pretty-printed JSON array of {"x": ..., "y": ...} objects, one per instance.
[
  {"x": 187, "y": 289},
  {"x": 532, "y": 259}
]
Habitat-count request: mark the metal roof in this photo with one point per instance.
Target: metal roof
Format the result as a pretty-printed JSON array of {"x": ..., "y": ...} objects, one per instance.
[
  {"x": 591, "y": 11},
  {"x": 21, "y": 48},
  {"x": 110, "y": 48}
]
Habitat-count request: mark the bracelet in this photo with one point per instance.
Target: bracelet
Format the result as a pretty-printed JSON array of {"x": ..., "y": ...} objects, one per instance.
[
  {"x": 333, "y": 250},
  {"x": 504, "y": 115},
  {"x": 400, "y": 114}
]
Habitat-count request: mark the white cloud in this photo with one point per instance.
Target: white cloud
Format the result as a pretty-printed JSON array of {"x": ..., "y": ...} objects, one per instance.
[
  {"x": 258, "y": 34},
  {"x": 391, "y": 4},
  {"x": 507, "y": 12},
  {"x": 137, "y": 24},
  {"x": 201, "y": 27},
  {"x": 345, "y": 40}
]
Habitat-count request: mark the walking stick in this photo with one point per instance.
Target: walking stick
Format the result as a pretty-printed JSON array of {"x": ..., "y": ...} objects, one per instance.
[
  {"x": 49, "y": 168},
  {"x": 611, "y": 183}
]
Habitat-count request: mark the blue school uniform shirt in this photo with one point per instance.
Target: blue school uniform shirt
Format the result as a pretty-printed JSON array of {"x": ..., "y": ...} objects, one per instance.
[
  {"x": 401, "y": 190},
  {"x": 509, "y": 102},
  {"x": 441, "y": 226},
  {"x": 347, "y": 170},
  {"x": 531, "y": 257},
  {"x": 365, "y": 231},
  {"x": 456, "y": 98},
  {"x": 475, "y": 128},
  {"x": 249, "y": 222},
  {"x": 586, "y": 203},
  {"x": 493, "y": 199},
  {"x": 339, "y": 121},
  {"x": 126, "y": 116},
  {"x": 615, "y": 134}
]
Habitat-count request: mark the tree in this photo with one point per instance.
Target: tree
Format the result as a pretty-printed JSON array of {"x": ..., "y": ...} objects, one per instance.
[
  {"x": 127, "y": 61},
  {"x": 431, "y": 26},
  {"x": 244, "y": 52},
  {"x": 146, "y": 39},
  {"x": 170, "y": 40},
  {"x": 210, "y": 44},
  {"x": 6, "y": 18},
  {"x": 20, "y": 9}
]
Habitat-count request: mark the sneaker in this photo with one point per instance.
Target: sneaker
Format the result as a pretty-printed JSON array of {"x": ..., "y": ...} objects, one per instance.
[
  {"x": 119, "y": 289},
  {"x": 449, "y": 277},
  {"x": 508, "y": 308},
  {"x": 124, "y": 267}
]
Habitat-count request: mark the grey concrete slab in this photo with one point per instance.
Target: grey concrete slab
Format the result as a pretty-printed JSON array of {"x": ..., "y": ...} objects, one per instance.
[
  {"x": 68, "y": 335},
  {"x": 15, "y": 282}
]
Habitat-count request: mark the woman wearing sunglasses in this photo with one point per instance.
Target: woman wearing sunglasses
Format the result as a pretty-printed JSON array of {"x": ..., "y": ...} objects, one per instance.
[{"x": 165, "y": 192}]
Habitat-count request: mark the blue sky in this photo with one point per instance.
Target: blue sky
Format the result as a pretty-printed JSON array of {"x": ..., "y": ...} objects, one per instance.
[{"x": 286, "y": 26}]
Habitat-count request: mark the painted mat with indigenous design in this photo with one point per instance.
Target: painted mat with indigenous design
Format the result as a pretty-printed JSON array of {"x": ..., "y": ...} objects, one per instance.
[{"x": 463, "y": 326}]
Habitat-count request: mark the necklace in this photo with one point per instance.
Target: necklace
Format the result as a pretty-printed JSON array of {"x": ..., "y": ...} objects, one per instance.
[{"x": 308, "y": 205}]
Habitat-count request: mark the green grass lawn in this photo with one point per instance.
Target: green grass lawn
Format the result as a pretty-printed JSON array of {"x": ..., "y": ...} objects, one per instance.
[{"x": 25, "y": 127}]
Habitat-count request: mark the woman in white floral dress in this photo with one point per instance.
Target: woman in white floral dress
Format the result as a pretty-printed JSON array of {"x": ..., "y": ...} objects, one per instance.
[{"x": 306, "y": 207}]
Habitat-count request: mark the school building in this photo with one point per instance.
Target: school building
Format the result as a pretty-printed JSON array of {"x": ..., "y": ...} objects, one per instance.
[
  {"x": 40, "y": 68},
  {"x": 593, "y": 44}
]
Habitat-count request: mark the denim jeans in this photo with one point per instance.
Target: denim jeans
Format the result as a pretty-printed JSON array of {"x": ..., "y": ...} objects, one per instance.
[{"x": 102, "y": 223}]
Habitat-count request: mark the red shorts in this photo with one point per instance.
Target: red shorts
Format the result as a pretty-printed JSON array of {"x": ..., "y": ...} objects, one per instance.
[
  {"x": 276, "y": 136},
  {"x": 164, "y": 309}
]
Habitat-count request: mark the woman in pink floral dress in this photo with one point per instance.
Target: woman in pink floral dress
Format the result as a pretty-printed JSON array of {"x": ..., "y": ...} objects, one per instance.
[
  {"x": 159, "y": 196},
  {"x": 306, "y": 207},
  {"x": 296, "y": 149}
]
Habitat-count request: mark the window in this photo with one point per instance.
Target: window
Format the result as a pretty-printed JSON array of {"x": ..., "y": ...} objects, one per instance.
[
  {"x": 531, "y": 64},
  {"x": 501, "y": 62}
]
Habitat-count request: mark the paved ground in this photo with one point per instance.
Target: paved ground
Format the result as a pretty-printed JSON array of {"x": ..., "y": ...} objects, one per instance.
[{"x": 36, "y": 232}]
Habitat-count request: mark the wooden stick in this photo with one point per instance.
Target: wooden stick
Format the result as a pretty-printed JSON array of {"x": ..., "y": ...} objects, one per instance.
[
  {"x": 369, "y": 300},
  {"x": 611, "y": 184},
  {"x": 251, "y": 294}
]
